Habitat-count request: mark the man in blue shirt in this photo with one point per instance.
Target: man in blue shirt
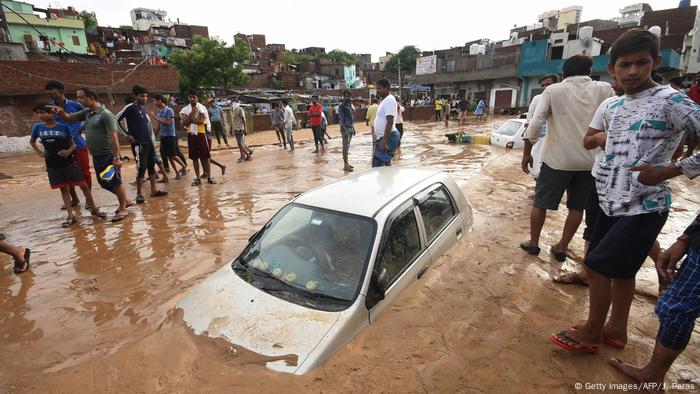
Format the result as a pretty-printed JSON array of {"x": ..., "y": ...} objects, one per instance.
[
  {"x": 139, "y": 133},
  {"x": 216, "y": 119},
  {"x": 56, "y": 90},
  {"x": 165, "y": 122},
  {"x": 346, "y": 119}
]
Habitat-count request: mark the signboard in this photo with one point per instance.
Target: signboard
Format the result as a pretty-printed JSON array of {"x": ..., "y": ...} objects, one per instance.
[
  {"x": 350, "y": 76},
  {"x": 426, "y": 65}
]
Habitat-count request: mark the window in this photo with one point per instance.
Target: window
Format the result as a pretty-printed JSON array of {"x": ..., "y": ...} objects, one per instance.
[
  {"x": 401, "y": 245},
  {"x": 509, "y": 128},
  {"x": 437, "y": 211},
  {"x": 450, "y": 65},
  {"x": 557, "y": 53},
  {"x": 76, "y": 40}
]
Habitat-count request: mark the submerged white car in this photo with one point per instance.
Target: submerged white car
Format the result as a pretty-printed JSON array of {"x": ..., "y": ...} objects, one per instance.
[
  {"x": 328, "y": 263},
  {"x": 510, "y": 134}
]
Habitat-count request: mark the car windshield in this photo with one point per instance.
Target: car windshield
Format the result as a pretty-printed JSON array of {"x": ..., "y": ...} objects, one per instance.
[
  {"x": 509, "y": 128},
  {"x": 307, "y": 253}
]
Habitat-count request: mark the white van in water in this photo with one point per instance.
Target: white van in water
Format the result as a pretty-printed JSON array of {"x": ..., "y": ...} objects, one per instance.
[{"x": 328, "y": 263}]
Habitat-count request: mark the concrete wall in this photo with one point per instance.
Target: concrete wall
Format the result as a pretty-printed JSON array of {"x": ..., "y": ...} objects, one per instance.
[{"x": 12, "y": 51}]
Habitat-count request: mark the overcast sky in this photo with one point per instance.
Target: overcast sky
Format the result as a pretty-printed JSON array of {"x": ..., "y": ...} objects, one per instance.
[{"x": 355, "y": 26}]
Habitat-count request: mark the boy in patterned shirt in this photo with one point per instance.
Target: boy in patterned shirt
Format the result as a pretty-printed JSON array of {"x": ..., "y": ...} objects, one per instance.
[{"x": 645, "y": 126}]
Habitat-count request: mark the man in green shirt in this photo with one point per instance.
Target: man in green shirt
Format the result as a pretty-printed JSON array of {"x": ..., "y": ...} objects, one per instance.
[{"x": 103, "y": 144}]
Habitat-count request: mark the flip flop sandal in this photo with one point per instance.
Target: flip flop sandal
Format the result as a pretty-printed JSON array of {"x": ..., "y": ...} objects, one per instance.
[
  {"x": 140, "y": 200},
  {"x": 130, "y": 204},
  {"x": 69, "y": 222},
  {"x": 558, "y": 255},
  {"x": 211, "y": 181},
  {"x": 613, "y": 343},
  {"x": 223, "y": 170},
  {"x": 22, "y": 267},
  {"x": 119, "y": 217},
  {"x": 248, "y": 158},
  {"x": 159, "y": 193},
  {"x": 572, "y": 345},
  {"x": 570, "y": 278},
  {"x": 197, "y": 182},
  {"x": 96, "y": 212},
  {"x": 185, "y": 171},
  {"x": 532, "y": 249}
]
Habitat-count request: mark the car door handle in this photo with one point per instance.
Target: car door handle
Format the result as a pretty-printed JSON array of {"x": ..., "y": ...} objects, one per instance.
[
  {"x": 422, "y": 271},
  {"x": 459, "y": 233}
]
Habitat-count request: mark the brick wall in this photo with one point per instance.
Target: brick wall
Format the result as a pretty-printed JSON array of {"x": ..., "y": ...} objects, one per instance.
[
  {"x": 19, "y": 92},
  {"x": 14, "y": 78}
]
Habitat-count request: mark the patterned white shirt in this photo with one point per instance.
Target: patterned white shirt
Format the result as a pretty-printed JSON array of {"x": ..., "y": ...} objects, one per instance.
[{"x": 643, "y": 129}]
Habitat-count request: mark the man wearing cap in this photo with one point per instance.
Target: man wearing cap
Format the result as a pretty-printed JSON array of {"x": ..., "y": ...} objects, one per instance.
[{"x": 56, "y": 90}]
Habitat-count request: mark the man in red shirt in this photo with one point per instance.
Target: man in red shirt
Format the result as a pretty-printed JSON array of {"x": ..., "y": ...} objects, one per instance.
[
  {"x": 315, "y": 121},
  {"x": 694, "y": 91}
]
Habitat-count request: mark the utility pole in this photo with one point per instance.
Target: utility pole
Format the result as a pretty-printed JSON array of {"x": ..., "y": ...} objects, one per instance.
[{"x": 399, "y": 67}]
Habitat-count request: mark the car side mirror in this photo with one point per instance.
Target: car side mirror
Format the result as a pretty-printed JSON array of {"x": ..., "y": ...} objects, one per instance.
[
  {"x": 252, "y": 237},
  {"x": 377, "y": 289}
]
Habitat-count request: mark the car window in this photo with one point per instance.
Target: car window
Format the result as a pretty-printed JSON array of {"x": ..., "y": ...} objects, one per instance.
[
  {"x": 509, "y": 128},
  {"x": 436, "y": 211},
  {"x": 319, "y": 252},
  {"x": 402, "y": 244}
]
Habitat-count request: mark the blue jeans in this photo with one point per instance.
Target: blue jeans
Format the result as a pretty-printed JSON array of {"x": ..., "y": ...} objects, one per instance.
[{"x": 381, "y": 159}]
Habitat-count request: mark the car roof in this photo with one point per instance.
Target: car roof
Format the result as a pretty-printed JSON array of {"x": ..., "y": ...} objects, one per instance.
[{"x": 367, "y": 192}]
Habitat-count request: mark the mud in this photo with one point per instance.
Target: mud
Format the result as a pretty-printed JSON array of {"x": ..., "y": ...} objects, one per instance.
[{"x": 96, "y": 312}]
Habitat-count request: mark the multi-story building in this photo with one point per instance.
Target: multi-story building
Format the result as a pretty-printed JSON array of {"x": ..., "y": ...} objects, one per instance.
[
  {"x": 559, "y": 19},
  {"x": 478, "y": 69},
  {"x": 384, "y": 59},
  {"x": 631, "y": 15},
  {"x": 145, "y": 18},
  {"x": 59, "y": 29}
]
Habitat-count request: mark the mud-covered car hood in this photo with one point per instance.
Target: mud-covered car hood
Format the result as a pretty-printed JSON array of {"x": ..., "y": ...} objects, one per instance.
[{"x": 226, "y": 306}]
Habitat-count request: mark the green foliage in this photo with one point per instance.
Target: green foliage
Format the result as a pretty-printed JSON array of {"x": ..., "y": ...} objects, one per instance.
[
  {"x": 276, "y": 84},
  {"x": 126, "y": 27},
  {"x": 209, "y": 63},
  {"x": 408, "y": 56},
  {"x": 89, "y": 19},
  {"x": 340, "y": 56},
  {"x": 296, "y": 58}
]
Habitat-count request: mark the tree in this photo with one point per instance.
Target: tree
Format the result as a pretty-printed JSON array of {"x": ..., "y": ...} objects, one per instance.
[
  {"x": 210, "y": 62},
  {"x": 296, "y": 58},
  {"x": 276, "y": 84},
  {"x": 408, "y": 56},
  {"x": 340, "y": 56},
  {"x": 89, "y": 19}
]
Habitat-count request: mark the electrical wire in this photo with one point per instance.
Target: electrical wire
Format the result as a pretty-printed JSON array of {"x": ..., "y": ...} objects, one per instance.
[{"x": 42, "y": 34}]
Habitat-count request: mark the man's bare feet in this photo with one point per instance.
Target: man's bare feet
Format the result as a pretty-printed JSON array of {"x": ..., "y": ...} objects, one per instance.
[{"x": 651, "y": 385}]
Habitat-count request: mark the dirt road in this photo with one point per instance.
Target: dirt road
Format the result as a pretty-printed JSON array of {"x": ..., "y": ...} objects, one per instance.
[{"x": 96, "y": 312}]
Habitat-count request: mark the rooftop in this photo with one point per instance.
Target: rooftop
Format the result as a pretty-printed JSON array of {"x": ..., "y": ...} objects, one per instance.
[{"x": 367, "y": 192}]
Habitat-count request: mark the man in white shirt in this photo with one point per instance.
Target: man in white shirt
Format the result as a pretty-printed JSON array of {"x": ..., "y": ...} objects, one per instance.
[
  {"x": 289, "y": 121},
  {"x": 567, "y": 108},
  {"x": 546, "y": 80},
  {"x": 194, "y": 117},
  {"x": 387, "y": 137}
]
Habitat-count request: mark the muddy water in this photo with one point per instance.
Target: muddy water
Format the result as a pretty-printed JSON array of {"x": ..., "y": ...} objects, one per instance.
[{"x": 96, "y": 313}]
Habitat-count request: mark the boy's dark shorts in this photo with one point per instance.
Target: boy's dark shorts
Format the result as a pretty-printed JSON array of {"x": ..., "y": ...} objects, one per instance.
[
  {"x": 101, "y": 165},
  {"x": 69, "y": 175},
  {"x": 198, "y": 146},
  {"x": 145, "y": 159},
  {"x": 592, "y": 212},
  {"x": 168, "y": 147},
  {"x": 620, "y": 245},
  {"x": 552, "y": 183}
]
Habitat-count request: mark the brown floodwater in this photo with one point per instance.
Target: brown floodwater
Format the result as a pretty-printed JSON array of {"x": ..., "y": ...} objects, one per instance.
[{"x": 96, "y": 313}]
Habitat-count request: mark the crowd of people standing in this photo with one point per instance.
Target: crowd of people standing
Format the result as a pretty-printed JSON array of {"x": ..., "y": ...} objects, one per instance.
[{"x": 612, "y": 148}]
